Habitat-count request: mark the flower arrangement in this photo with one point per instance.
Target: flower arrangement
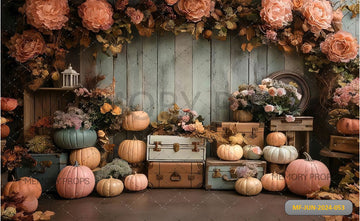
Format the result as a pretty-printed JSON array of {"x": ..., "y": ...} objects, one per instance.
[
  {"x": 16, "y": 157},
  {"x": 73, "y": 118},
  {"x": 270, "y": 98}
]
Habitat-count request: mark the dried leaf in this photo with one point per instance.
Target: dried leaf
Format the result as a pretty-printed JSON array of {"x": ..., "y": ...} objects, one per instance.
[
  {"x": 143, "y": 31},
  {"x": 154, "y": 124},
  {"x": 250, "y": 33},
  {"x": 109, "y": 147},
  {"x": 164, "y": 117},
  {"x": 242, "y": 32},
  {"x": 243, "y": 46},
  {"x": 333, "y": 218},
  {"x": 115, "y": 49},
  {"x": 354, "y": 198},
  {"x": 249, "y": 47},
  {"x": 199, "y": 29},
  {"x": 324, "y": 195},
  {"x": 100, "y": 39},
  {"x": 231, "y": 25},
  {"x": 354, "y": 8}
]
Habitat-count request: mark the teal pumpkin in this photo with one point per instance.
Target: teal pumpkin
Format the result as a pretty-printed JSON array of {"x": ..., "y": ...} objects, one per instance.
[
  {"x": 252, "y": 152},
  {"x": 75, "y": 139}
]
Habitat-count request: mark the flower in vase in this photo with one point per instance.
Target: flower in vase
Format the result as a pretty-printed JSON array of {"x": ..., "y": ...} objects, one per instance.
[
  {"x": 281, "y": 92},
  {"x": 289, "y": 118},
  {"x": 269, "y": 108},
  {"x": 185, "y": 118},
  {"x": 189, "y": 127},
  {"x": 272, "y": 91}
]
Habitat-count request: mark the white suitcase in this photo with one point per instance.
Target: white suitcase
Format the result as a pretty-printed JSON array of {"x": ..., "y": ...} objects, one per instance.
[{"x": 175, "y": 148}]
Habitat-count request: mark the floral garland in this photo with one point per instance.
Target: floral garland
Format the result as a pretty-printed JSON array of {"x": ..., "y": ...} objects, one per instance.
[{"x": 311, "y": 27}]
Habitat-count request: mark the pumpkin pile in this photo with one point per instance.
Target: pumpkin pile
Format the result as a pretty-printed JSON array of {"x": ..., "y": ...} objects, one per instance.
[{"x": 7, "y": 105}]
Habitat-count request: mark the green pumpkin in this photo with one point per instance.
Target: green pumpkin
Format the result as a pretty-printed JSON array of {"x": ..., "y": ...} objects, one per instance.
[
  {"x": 75, "y": 139},
  {"x": 252, "y": 152}
]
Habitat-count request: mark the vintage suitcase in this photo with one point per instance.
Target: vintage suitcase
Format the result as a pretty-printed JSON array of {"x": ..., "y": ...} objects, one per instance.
[
  {"x": 344, "y": 144},
  {"x": 46, "y": 171},
  {"x": 176, "y": 174},
  {"x": 297, "y": 132},
  {"x": 221, "y": 175},
  {"x": 175, "y": 148},
  {"x": 253, "y": 132}
]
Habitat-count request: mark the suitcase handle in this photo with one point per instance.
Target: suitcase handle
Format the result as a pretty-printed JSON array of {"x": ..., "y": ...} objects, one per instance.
[
  {"x": 227, "y": 179},
  {"x": 156, "y": 148},
  {"x": 175, "y": 177},
  {"x": 42, "y": 165}
]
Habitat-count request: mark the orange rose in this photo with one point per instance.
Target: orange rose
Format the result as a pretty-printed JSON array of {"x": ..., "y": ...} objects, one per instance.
[
  {"x": 194, "y": 10},
  {"x": 171, "y": 2},
  {"x": 298, "y": 4},
  {"x": 306, "y": 48},
  {"x": 105, "y": 108},
  {"x": 318, "y": 14},
  {"x": 136, "y": 16},
  {"x": 340, "y": 47},
  {"x": 26, "y": 46},
  {"x": 275, "y": 13},
  {"x": 116, "y": 110},
  {"x": 47, "y": 14},
  {"x": 96, "y": 15}
]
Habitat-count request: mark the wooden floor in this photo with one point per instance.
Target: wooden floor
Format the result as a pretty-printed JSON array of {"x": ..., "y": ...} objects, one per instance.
[{"x": 173, "y": 204}]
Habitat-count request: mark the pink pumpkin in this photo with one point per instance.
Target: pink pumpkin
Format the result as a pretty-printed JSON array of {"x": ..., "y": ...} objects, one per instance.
[
  {"x": 75, "y": 182},
  {"x": 304, "y": 176}
]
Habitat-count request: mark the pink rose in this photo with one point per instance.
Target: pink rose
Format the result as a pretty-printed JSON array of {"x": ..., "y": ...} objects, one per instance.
[
  {"x": 136, "y": 16},
  {"x": 47, "y": 14},
  {"x": 185, "y": 118},
  {"x": 271, "y": 35},
  {"x": 189, "y": 127},
  {"x": 318, "y": 14},
  {"x": 236, "y": 93},
  {"x": 251, "y": 92},
  {"x": 276, "y": 13},
  {"x": 194, "y": 10},
  {"x": 306, "y": 48},
  {"x": 281, "y": 92},
  {"x": 96, "y": 15},
  {"x": 194, "y": 113},
  {"x": 269, "y": 108},
  {"x": 340, "y": 47},
  {"x": 272, "y": 91},
  {"x": 289, "y": 118},
  {"x": 234, "y": 106}
]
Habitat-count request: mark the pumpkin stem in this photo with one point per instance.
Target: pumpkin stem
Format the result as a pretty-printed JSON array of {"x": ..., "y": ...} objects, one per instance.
[
  {"x": 76, "y": 164},
  {"x": 134, "y": 138},
  {"x": 307, "y": 156}
]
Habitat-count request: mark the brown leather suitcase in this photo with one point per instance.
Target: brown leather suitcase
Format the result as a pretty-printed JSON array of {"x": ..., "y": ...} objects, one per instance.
[{"x": 176, "y": 174}]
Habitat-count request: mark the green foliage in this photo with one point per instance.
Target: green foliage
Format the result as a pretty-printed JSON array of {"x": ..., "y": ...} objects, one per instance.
[{"x": 118, "y": 169}]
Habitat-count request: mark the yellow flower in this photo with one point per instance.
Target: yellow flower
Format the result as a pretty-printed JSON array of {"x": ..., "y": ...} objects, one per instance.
[
  {"x": 199, "y": 126},
  {"x": 101, "y": 133},
  {"x": 116, "y": 110},
  {"x": 105, "y": 108}
]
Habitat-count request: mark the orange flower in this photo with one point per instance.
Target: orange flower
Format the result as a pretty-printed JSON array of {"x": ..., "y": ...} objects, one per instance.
[
  {"x": 199, "y": 126},
  {"x": 96, "y": 15},
  {"x": 298, "y": 4},
  {"x": 318, "y": 14},
  {"x": 171, "y": 2},
  {"x": 47, "y": 14},
  {"x": 26, "y": 46},
  {"x": 340, "y": 47},
  {"x": 275, "y": 13},
  {"x": 306, "y": 48},
  {"x": 105, "y": 108},
  {"x": 116, "y": 110},
  {"x": 263, "y": 87},
  {"x": 194, "y": 10},
  {"x": 101, "y": 133}
]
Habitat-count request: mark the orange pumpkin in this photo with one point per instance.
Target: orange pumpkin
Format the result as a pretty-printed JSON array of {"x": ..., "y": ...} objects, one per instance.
[
  {"x": 8, "y": 104},
  {"x": 26, "y": 186},
  {"x": 30, "y": 204},
  {"x": 136, "y": 121},
  {"x": 133, "y": 151},
  {"x": 273, "y": 182},
  {"x": 348, "y": 126},
  {"x": 75, "y": 182},
  {"x": 304, "y": 176},
  {"x": 89, "y": 157},
  {"x": 136, "y": 182},
  {"x": 5, "y": 131},
  {"x": 276, "y": 139},
  {"x": 229, "y": 152}
]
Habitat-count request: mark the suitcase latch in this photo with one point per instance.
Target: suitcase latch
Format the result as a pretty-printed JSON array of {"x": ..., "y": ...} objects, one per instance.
[
  {"x": 176, "y": 147},
  {"x": 233, "y": 173},
  {"x": 216, "y": 173},
  {"x": 156, "y": 148},
  {"x": 253, "y": 133},
  {"x": 175, "y": 177},
  {"x": 196, "y": 149},
  {"x": 159, "y": 177},
  {"x": 191, "y": 177}
]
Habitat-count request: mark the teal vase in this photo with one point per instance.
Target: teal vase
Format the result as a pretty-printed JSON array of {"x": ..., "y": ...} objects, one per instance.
[{"x": 75, "y": 139}]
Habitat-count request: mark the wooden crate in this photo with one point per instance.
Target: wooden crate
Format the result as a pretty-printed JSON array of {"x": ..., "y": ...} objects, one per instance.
[
  {"x": 297, "y": 132},
  {"x": 344, "y": 144},
  {"x": 253, "y": 132},
  {"x": 42, "y": 103}
]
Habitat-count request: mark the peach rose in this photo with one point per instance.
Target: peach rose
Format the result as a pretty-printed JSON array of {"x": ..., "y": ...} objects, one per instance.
[
  {"x": 47, "y": 14},
  {"x": 281, "y": 92},
  {"x": 263, "y": 87},
  {"x": 26, "y": 46},
  {"x": 275, "y": 13},
  {"x": 306, "y": 48},
  {"x": 298, "y": 4},
  {"x": 269, "y": 108},
  {"x": 121, "y": 4},
  {"x": 194, "y": 10},
  {"x": 340, "y": 47},
  {"x": 271, "y": 35},
  {"x": 272, "y": 91},
  {"x": 136, "y": 16},
  {"x": 171, "y": 2},
  {"x": 337, "y": 19},
  {"x": 318, "y": 14},
  {"x": 96, "y": 15}
]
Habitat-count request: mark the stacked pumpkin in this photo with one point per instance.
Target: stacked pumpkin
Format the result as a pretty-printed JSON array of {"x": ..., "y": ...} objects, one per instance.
[
  {"x": 7, "y": 105},
  {"x": 134, "y": 151}
]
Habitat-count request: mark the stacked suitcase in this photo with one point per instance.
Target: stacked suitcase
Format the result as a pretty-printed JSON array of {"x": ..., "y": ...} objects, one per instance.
[{"x": 179, "y": 162}]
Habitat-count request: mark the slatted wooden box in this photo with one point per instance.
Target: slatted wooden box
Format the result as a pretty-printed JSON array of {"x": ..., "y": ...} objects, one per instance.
[
  {"x": 297, "y": 132},
  {"x": 344, "y": 144}
]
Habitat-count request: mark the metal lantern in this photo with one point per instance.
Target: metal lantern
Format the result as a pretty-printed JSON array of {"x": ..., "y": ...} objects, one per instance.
[{"x": 70, "y": 78}]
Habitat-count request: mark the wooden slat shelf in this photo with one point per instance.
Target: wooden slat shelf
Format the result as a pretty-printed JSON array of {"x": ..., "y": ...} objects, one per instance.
[
  {"x": 333, "y": 154},
  {"x": 57, "y": 88}
]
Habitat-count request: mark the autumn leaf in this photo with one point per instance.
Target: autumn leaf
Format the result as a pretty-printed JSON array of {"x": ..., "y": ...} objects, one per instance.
[
  {"x": 354, "y": 8},
  {"x": 354, "y": 198},
  {"x": 115, "y": 49},
  {"x": 100, "y": 39},
  {"x": 147, "y": 32},
  {"x": 243, "y": 46},
  {"x": 325, "y": 195},
  {"x": 242, "y": 32},
  {"x": 249, "y": 47},
  {"x": 250, "y": 33},
  {"x": 333, "y": 218},
  {"x": 199, "y": 29}
]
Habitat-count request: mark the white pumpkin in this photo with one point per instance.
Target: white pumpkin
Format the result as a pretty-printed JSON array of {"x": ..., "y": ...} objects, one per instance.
[
  {"x": 252, "y": 152},
  {"x": 280, "y": 155}
]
